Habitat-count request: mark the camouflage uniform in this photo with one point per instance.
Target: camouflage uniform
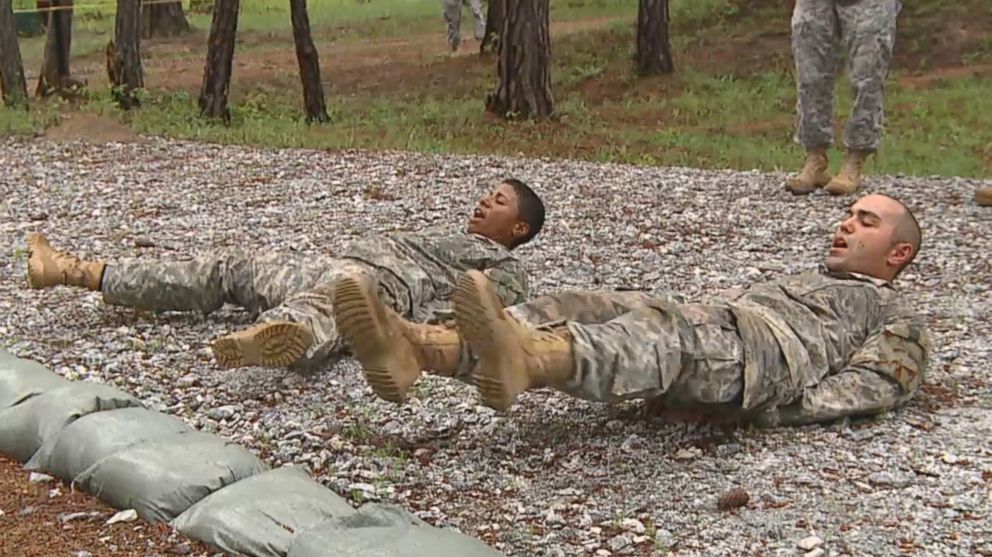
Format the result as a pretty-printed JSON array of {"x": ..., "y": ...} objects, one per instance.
[
  {"x": 806, "y": 348},
  {"x": 453, "y": 18},
  {"x": 416, "y": 274},
  {"x": 867, "y": 31}
]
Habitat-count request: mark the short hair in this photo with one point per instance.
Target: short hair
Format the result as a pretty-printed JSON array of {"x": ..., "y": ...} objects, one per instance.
[
  {"x": 907, "y": 229},
  {"x": 530, "y": 209}
]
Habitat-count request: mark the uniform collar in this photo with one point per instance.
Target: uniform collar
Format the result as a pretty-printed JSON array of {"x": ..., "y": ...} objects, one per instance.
[{"x": 882, "y": 283}]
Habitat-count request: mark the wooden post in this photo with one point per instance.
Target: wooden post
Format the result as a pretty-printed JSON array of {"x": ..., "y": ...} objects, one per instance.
[
  {"x": 163, "y": 19},
  {"x": 220, "y": 58},
  {"x": 306, "y": 56},
  {"x": 124, "y": 57},
  {"x": 15, "y": 88},
  {"x": 524, "y": 89}
]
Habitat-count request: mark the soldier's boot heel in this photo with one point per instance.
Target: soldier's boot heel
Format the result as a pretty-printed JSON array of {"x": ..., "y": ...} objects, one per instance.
[
  {"x": 388, "y": 359},
  {"x": 273, "y": 344},
  {"x": 502, "y": 370}
]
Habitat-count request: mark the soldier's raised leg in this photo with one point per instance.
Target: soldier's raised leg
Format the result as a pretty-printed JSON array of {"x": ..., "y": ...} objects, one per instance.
[
  {"x": 868, "y": 28},
  {"x": 393, "y": 351},
  {"x": 814, "y": 40},
  {"x": 644, "y": 353},
  {"x": 311, "y": 310}
]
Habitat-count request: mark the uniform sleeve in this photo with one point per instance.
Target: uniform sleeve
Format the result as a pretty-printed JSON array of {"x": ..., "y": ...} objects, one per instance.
[
  {"x": 883, "y": 374},
  {"x": 510, "y": 281}
]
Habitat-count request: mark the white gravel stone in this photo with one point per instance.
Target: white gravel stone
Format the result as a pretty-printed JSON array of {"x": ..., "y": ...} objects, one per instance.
[{"x": 919, "y": 474}]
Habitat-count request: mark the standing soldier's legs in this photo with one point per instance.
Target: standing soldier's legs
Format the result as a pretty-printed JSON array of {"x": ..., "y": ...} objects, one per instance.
[
  {"x": 692, "y": 353},
  {"x": 479, "y": 15},
  {"x": 814, "y": 40},
  {"x": 868, "y": 28},
  {"x": 453, "y": 20}
]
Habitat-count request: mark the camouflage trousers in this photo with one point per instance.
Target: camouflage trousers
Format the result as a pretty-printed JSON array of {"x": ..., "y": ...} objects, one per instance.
[
  {"x": 866, "y": 32},
  {"x": 277, "y": 287},
  {"x": 630, "y": 345},
  {"x": 453, "y": 19}
]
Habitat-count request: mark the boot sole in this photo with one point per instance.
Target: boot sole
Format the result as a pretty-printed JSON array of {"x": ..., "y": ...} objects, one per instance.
[
  {"x": 481, "y": 322},
  {"x": 272, "y": 345},
  {"x": 388, "y": 361}
]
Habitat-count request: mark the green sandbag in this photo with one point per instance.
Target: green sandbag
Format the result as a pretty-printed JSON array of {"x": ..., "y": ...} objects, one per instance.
[
  {"x": 22, "y": 379},
  {"x": 26, "y": 427},
  {"x": 99, "y": 435},
  {"x": 160, "y": 479},
  {"x": 261, "y": 515},
  {"x": 385, "y": 531}
]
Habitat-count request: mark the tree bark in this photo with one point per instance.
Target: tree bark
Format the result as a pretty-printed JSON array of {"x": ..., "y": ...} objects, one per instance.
[
  {"x": 163, "y": 19},
  {"x": 55, "y": 75},
  {"x": 654, "y": 53},
  {"x": 524, "y": 89},
  {"x": 124, "y": 57},
  {"x": 494, "y": 26},
  {"x": 15, "y": 88},
  {"x": 220, "y": 57},
  {"x": 309, "y": 61}
]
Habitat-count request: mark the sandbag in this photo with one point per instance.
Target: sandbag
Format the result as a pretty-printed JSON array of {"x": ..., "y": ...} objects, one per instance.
[
  {"x": 22, "y": 379},
  {"x": 384, "y": 531},
  {"x": 261, "y": 515},
  {"x": 96, "y": 436},
  {"x": 26, "y": 427},
  {"x": 160, "y": 479}
]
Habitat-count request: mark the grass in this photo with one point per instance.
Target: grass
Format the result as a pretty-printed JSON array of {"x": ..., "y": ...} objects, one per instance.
[{"x": 730, "y": 103}]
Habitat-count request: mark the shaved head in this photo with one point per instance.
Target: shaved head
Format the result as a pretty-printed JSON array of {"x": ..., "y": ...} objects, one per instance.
[{"x": 879, "y": 236}]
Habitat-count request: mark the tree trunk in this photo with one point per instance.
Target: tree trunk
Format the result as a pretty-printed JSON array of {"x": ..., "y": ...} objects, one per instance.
[
  {"x": 306, "y": 55},
  {"x": 124, "y": 58},
  {"x": 494, "y": 26},
  {"x": 220, "y": 56},
  {"x": 163, "y": 19},
  {"x": 524, "y": 89},
  {"x": 654, "y": 54},
  {"x": 54, "y": 75},
  {"x": 15, "y": 88}
]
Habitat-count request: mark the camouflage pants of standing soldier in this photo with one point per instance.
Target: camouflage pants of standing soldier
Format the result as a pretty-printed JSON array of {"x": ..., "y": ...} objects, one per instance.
[
  {"x": 453, "y": 19},
  {"x": 866, "y": 31},
  {"x": 278, "y": 287}
]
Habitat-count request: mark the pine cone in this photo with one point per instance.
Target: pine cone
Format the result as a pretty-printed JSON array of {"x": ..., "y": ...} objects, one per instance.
[{"x": 732, "y": 499}]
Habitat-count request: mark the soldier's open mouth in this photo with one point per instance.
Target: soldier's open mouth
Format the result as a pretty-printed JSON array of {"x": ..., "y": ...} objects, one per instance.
[
  {"x": 839, "y": 243},
  {"x": 478, "y": 214}
]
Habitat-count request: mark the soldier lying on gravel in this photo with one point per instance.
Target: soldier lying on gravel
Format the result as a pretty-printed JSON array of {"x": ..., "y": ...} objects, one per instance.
[
  {"x": 806, "y": 348},
  {"x": 415, "y": 273}
]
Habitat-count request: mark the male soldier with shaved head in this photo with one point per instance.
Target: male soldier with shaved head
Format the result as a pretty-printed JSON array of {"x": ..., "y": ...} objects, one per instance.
[
  {"x": 812, "y": 347},
  {"x": 416, "y": 274}
]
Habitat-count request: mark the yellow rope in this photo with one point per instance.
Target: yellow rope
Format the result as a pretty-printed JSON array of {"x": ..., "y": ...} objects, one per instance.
[{"x": 89, "y": 6}]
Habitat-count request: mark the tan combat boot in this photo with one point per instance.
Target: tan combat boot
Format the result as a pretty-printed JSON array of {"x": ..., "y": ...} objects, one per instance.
[
  {"x": 512, "y": 357},
  {"x": 392, "y": 351},
  {"x": 48, "y": 267},
  {"x": 983, "y": 196},
  {"x": 848, "y": 180},
  {"x": 814, "y": 174},
  {"x": 271, "y": 344}
]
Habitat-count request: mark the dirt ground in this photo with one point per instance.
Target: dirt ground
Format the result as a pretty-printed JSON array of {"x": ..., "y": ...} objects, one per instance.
[{"x": 48, "y": 519}]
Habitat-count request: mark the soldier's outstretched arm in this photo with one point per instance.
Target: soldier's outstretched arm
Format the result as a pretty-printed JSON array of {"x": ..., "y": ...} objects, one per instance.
[{"x": 883, "y": 374}]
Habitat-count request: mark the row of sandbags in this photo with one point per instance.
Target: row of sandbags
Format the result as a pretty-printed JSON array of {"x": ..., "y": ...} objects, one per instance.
[{"x": 107, "y": 443}]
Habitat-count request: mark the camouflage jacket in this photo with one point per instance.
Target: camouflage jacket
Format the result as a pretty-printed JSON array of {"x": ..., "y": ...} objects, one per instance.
[
  {"x": 420, "y": 269},
  {"x": 823, "y": 345}
]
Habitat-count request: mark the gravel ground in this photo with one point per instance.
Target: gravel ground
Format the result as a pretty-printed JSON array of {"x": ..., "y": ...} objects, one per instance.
[
  {"x": 558, "y": 476},
  {"x": 42, "y": 517}
]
